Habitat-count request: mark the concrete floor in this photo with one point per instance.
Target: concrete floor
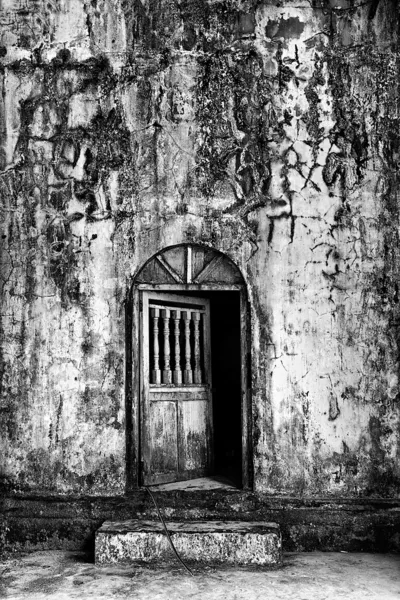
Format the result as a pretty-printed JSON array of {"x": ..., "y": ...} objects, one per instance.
[
  {"x": 202, "y": 483},
  {"x": 61, "y": 575}
]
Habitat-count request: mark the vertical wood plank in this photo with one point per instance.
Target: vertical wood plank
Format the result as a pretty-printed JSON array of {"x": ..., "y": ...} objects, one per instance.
[
  {"x": 163, "y": 434},
  {"x": 145, "y": 441},
  {"x": 193, "y": 439},
  {"x": 156, "y": 372},
  {"x": 132, "y": 370},
  {"x": 189, "y": 264},
  {"x": 197, "y": 357}
]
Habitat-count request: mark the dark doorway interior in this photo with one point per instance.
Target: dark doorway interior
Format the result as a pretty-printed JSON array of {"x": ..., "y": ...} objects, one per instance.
[{"x": 226, "y": 383}]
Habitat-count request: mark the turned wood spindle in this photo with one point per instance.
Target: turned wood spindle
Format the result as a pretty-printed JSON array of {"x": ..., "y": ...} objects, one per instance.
[
  {"x": 177, "y": 374},
  {"x": 155, "y": 373},
  {"x": 197, "y": 357},
  {"x": 167, "y": 374},
  {"x": 187, "y": 373}
]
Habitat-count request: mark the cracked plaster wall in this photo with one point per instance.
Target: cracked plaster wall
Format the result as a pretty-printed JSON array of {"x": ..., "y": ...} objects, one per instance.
[{"x": 268, "y": 130}]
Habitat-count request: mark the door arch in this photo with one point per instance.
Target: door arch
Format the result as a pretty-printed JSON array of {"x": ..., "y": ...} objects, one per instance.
[{"x": 179, "y": 279}]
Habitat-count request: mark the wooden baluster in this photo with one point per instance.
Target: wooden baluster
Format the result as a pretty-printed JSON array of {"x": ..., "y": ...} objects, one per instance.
[
  {"x": 177, "y": 374},
  {"x": 166, "y": 375},
  {"x": 197, "y": 357},
  {"x": 187, "y": 373},
  {"x": 155, "y": 373}
]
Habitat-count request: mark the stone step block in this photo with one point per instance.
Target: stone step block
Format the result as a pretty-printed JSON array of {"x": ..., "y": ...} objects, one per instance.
[{"x": 224, "y": 542}]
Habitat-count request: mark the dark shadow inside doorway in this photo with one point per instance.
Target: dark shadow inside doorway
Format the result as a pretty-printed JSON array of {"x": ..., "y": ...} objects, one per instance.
[{"x": 226, "y": 384}]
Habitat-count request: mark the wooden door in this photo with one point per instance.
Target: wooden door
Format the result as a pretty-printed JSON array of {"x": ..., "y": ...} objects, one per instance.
[{"x": 176, "y": 403}]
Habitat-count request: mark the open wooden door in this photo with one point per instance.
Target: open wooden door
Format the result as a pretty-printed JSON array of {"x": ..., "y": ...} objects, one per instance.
[{"x": 176, "y": 399}]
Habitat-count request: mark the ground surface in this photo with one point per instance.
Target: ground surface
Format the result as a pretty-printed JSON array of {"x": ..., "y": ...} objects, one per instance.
[
  {"x": 306, "y": 576},
  {"x": 201, "y": 483}
]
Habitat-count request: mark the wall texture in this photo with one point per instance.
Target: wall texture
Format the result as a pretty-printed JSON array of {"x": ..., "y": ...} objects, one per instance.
[{"x": 269, "y": 131}]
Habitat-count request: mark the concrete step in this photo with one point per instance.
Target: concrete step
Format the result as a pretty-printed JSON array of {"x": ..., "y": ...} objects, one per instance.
[{"x": 229, "y": 542}]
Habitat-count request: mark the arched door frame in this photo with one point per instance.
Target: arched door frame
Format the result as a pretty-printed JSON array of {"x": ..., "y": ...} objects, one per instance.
[{"x": 133, "y": 383}]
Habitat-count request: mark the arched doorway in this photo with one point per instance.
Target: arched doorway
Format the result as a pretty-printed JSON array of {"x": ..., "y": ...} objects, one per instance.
[{"x": 190, "y": 409}]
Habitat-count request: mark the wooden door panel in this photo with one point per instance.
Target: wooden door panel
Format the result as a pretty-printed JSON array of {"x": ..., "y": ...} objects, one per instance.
[
  {"x": 163, "y": 441},
  {"x": 194, "y": 439}
]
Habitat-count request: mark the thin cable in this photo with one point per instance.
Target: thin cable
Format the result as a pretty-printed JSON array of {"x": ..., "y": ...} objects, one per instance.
[{"x": 167, "y": 533}]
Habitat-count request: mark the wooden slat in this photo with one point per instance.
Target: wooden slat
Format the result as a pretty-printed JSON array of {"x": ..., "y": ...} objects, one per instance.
[
  {"x": 156, "y": 273},
  {"x": 144, "y": 412},
  {"x": 200, "y": 258},
  {"x": 197, "y": 375},
  {"x": 156, "y": 372},
  {"x": 188, "y": 264},
  {"x": 170, "y": 307},
  {"x": 134, "y": 367},
  {"x": 163, "y": 436},
  {"x": 170, "y": 270},
  {"x": 175, "y": 257},
  {"x": 168, "y": 389},
  {"x": 206, "y": 323},
  {"x": 190, "y": 287},
  {"x": 208, "y": 269},
  {"x": 193, "y": 438},
  {"x": 179, "y": 396}
]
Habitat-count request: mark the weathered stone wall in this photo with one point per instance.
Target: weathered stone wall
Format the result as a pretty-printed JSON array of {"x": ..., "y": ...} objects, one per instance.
[{"x": 269, "y": 131}]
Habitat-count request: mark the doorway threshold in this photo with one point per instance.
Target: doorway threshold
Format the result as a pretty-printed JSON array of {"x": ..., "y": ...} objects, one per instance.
[{"x": 213, "y": 482}]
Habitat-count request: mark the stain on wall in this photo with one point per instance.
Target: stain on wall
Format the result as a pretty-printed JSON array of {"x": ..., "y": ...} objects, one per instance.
[{"x": 268, "y": 131}]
